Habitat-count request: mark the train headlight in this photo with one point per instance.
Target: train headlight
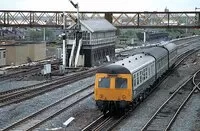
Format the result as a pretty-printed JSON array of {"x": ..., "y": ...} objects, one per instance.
[
  {"x": 101, "y": 96},
  {"x": 123, "y": 97}
]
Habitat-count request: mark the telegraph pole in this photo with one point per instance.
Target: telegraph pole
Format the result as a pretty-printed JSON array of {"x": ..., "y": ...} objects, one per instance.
[{"x": 144, "y": 38}]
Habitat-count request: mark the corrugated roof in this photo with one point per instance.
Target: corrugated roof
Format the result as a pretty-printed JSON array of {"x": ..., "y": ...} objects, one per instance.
[{"x": 98, "y": 25}]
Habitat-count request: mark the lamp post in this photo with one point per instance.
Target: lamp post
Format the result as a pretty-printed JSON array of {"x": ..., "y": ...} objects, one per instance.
[
  {"x": 186, "y": 22},
  {"x": 144, "y": 40},
  {"x": 64, "y": 42},
  {"x": 44, "y": 32}
]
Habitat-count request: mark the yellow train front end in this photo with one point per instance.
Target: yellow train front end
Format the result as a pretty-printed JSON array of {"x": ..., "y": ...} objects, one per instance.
[{"x": 113, "y": 92}]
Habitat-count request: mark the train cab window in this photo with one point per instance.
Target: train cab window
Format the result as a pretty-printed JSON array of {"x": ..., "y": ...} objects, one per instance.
[
  {"x": 121, "y": 83},
  {"x": 104, "y": 82}
]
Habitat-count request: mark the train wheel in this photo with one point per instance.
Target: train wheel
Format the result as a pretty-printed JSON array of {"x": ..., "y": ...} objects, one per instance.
[
  {"x": 121, "y": 111},
  {"x": 141, "y": 97},
  {"x": 131, "y": 106}
]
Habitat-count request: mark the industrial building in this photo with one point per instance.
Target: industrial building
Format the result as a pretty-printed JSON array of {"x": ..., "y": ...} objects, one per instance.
[
  {"x": 98, "y": 42},
  {"x": 20, "y": 52}
]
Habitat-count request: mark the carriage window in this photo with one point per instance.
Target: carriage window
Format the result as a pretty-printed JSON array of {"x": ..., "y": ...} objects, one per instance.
[
  {"x": 146, "y": 73},
  {"x": 104, "y": 82},
  {"x": 138, "y": 79},
  {"x": 134, "y": 78},
  {"x": 4, "y": 54},
  {"x": 141, "y": 76},
  {"x": 152, "y": 69},
  {"x": 149, "y": 70},
  {"x": 121, "y": 83}
]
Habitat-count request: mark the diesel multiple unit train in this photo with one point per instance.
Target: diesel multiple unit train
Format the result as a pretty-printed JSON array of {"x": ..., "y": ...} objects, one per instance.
[{"x": 129, "y": 81}]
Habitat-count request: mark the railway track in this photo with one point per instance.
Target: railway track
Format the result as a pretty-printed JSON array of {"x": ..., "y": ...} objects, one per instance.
[
  {"x": 24, "y": 71},
  {"x": 169, "y": 110},
  {"x": 111, "y": 121},
  {"x": 186, "y": 43},
  {"x": 36, "y": 119},
  {"x": 182, "y": 45},
  {"x": 106, "y": 123},
  {"x": 20, "y": 94},
  {"x": 39, "y": 84},
  {"x": 19, "y": 74}
]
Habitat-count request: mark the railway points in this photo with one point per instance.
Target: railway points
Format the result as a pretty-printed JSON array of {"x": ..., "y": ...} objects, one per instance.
[
  {"x": 193, "y": 41},
  {"x": 86, "y": 79}
]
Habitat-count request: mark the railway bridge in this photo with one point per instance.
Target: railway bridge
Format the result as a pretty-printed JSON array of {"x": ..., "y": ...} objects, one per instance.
[{"x": 16, "y": 18}]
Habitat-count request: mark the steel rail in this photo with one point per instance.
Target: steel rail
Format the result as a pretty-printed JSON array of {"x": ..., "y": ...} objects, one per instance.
[
  {"x": 179, "y": 109},
  {"x": 24, "y": 95},
  {"x": 101, "y": 126},
  {"x": 31, "y": 116},
  {"x": 168, "y": 100}
]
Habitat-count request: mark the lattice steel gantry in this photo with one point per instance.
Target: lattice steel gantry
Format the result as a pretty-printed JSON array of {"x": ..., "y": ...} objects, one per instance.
[{"x": 11, "y": 18}]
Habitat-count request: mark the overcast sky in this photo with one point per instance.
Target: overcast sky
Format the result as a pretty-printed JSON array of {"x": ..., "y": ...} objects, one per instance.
[{"x": 101, "y": 5}]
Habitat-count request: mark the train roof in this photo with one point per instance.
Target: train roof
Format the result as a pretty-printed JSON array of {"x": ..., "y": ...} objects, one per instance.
[
  {"x": 141, "y": 58},
  {"x": 113, "y": 69},
  {"x": 135, "y": 62},
  {"x": 157, "y": 51},
  {"x": 170, "y": 46}
]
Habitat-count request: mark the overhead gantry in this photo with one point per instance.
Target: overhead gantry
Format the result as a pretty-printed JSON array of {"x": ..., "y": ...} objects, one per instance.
[{"x": 13, "y": 18}]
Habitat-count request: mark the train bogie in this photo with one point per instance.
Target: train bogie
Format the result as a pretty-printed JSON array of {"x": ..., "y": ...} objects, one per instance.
[{"x": 112, "y": 106}]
